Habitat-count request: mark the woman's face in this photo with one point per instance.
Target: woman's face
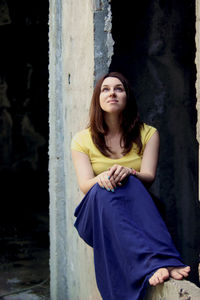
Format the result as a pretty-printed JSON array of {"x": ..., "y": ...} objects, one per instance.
[{"x": 112, "y": 96}]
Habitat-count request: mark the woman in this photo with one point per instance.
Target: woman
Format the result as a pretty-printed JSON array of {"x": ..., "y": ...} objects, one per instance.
[{"x": 115, "y": 158}]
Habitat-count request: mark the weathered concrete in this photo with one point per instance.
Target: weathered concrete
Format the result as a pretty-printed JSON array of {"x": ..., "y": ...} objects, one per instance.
[
  {"x": 58, "y": 257},
  {"x": 103, "y": 41},
  {"x": 78, "y": 65},
  {"x": 72, "y": 57},
  {"x": 174, "y": 290},
  {"x": 71, "y": 86}
]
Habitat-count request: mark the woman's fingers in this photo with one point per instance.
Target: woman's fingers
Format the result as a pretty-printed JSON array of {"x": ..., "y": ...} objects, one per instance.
[
  {"x": 115, "y": 171},
  {"x": 110, "y": 179},
  {"x": 105, "y": 182},
  {"x": 120, "y": 176},
  {"x": 112, "y": 170},
  {"x": 119, "y": 173}
]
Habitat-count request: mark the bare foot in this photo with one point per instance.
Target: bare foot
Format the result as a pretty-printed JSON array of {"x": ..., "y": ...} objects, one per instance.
[
  {"x": 159, "y": 276},
  {"x": 179, "y": 272}
]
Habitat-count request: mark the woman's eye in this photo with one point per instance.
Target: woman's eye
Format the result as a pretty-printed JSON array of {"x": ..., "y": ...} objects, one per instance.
[
  {"x": 104, "y": 89},
  {"x": 119, "y": 89}
]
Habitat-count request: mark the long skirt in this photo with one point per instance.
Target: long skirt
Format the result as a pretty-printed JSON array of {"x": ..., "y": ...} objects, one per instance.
[{"x": 129, "y": 239}]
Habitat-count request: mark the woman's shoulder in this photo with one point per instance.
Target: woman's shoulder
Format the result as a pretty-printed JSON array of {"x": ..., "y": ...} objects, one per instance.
[
  {"x": 85, "y": 133},
  {"x": 146, "y": 127},
  {"x": 146, "y": 132},
  {"x": 81, "y": 140}
]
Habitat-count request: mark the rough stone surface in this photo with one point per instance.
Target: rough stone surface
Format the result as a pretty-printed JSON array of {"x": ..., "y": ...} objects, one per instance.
[
  {"x": 103, "y": 41},
  {"x": 71, "y": 86},
  {"x": 58, "y": 257},
  {"x": 174, "y": 290},
  {"x": 78, "y": 65}
]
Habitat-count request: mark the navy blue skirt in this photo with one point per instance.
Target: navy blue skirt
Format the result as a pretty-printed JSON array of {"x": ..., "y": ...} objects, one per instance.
[{"x": 128, "y": 236}]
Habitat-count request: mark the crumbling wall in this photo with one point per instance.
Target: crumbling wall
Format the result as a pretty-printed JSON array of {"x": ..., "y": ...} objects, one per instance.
[{"x": 103, "y": 41}]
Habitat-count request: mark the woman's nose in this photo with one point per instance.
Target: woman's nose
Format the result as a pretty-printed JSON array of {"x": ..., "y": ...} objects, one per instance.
[{"x": 112, "y": 91}]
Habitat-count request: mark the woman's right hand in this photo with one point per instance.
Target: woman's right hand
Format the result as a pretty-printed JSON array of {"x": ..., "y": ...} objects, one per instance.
[{"x": 106, "y": 182}]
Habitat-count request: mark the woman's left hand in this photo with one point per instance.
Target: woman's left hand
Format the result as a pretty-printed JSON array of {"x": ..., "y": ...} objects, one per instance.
[{"x": 119, "y": 173}]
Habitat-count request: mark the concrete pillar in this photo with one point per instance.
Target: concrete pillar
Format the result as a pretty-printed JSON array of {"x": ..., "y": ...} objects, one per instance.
[
  {"x": 72, "y": 76},
  {"x": 58, "y": 258}
]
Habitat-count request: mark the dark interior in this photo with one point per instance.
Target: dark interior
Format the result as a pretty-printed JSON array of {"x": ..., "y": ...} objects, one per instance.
[
  {"x": 24, "y": 214},
  {"x": 155, "y": 48}
]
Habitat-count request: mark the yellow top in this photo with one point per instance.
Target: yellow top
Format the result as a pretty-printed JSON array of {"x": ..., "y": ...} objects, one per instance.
[{"x": 82, "y": 142}]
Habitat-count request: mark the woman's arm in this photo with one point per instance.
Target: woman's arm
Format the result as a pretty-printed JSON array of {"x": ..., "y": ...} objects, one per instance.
[
  {"x": 85, "y": 174},
  {"x": 148, "y": 168},
  {"x": 109, "y": 179}
]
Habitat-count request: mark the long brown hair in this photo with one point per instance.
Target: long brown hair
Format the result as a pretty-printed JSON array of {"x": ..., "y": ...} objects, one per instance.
[{"x": 131, "y": 123}]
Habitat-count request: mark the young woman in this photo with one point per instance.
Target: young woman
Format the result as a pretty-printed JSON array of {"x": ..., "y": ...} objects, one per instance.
[{"x": 115, "y": 158}]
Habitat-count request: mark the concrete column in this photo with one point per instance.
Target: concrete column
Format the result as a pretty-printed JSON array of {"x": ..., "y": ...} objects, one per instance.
[
  {"x": 58, "y": 258},
  {"x": 79, "y": 35},
  {"x": 71, "y": 68},
  {"x": 78, "y": 70}
]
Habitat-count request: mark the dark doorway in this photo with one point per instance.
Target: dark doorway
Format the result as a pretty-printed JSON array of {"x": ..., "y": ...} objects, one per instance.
[
  {"x": 24, "y": 215},
  {"x": 155, "y": 48}
]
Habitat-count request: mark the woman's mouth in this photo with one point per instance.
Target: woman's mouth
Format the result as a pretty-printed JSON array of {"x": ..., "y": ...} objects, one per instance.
[{"x": 112, "y": 101}]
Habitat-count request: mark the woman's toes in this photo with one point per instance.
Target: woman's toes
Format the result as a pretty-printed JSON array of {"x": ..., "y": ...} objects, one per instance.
[
  {"x": 153, "y": 280},
  {"x": 185, "y": 271},
  {"x": 176, "y": 274},
  {"x": 179, "y": 272},
  {"x": 164, "y": 274},
  {"x": 159, "y": 276}
]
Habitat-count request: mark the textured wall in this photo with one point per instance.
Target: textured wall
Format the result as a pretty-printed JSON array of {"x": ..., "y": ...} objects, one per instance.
[
  {"x": 58, "y": 259},
  {"x": 73, "y": 29},
  {"x": 78, "y": 65},
  {"x": 103, "y": 41},
  {"x": 174, "y": 290},
  {"x": 71, "y": 85}
]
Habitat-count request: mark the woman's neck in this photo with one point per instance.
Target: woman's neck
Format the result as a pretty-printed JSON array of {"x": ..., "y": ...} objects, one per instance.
[{"x": 113, "y": 122}]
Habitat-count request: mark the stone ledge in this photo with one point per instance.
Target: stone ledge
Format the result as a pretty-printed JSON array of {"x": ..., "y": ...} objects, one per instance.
[{"x": 174, "y": 290}]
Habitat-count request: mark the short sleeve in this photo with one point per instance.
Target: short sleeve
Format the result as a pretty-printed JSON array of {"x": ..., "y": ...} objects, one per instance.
[
  {"x": 146, "y": 133},
  {"x": 80, "y": 141}
]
